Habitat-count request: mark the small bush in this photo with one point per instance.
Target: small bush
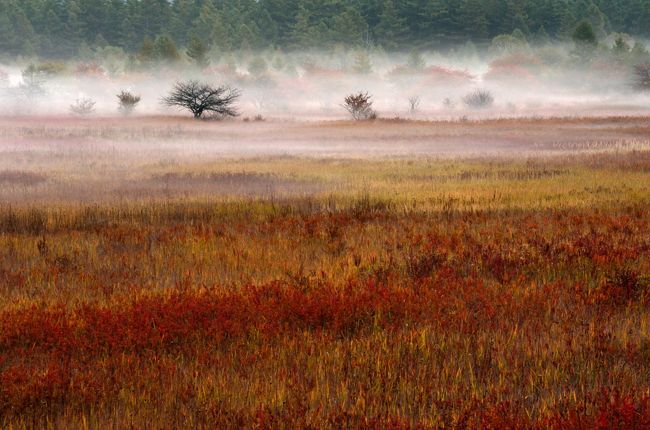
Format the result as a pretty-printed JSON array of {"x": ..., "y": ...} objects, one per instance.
[
  {"x": 83, "y": 107},
  {"x": 127, "y": 102},
  {"x": 414, "y": 104},
  {"x": 479, "y": 99},
  {"x": 448, "y": 103},
  {"x": 360, "y": 106}
]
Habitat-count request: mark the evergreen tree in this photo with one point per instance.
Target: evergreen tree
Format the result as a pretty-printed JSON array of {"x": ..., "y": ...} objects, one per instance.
[
  {"x": 349, "y": 28},
  {"x": 59, "y": 28},
  {"x": 197, "y": 52},
  {"x": 362, "y": 63},
  {"x": 584, "y": 36},
  {"x": 415, "y": 60},
  {"x": 585, "y": 40},
  {"x": 147, "y": 52},
  {"x": 165, "y": 49},
  {"x": 209, "y": 27},
  {"x": 541, "y": 36},
  {"x": 301, "y": 30},
  {"x": 74, "y": 28},
  {"x": 471, "y": 19},
  {"x": 391, "y": 30},
  {"x": 598, "y": 21},
  {"x": 183, "y": 13},
  {"x": 435, "y": 21}
]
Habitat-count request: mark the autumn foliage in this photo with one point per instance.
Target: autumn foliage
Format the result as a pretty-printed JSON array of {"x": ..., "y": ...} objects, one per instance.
[{"x": 495, "y": 307}]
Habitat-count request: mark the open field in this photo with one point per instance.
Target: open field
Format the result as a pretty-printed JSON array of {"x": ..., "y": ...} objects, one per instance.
[{"x": 162, "y": 273}]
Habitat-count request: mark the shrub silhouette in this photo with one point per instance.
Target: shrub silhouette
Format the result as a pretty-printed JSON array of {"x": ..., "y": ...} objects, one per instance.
[
  {"x": 127, "y": 102},
  {"x": 360, "y": 106}
]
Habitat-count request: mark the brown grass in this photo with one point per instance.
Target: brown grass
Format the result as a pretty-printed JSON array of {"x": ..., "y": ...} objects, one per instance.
[{"x": 366, "y": 290}]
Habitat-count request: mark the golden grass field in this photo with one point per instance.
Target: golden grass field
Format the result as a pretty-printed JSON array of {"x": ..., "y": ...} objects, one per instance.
[{"x": 162, "y": 273}]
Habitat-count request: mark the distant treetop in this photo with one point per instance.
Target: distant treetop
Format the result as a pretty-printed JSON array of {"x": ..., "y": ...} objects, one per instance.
[{"x": 155, "y": 28}]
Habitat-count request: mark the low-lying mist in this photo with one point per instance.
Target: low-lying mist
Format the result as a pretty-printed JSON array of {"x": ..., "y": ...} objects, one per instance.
[{"x": 550, "y": 80}]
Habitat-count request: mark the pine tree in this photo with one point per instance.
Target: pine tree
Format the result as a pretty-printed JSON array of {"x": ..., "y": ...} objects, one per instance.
[
  {"x": 598, "y": 21},
  {"x": 52, "y": 35},
  {"x": 299, "y": 35},
  {"x": 147, "y": 52},
  {"x": 165, "y": 49},
  {"x": 197, "y": 52},
  {"x": 209, "y": 27},
  {"x": 435, "y": 20},
  {"x": 362, "y": 63},
  {"x": 567, "y": 25},
  {"x": 183, "y": 14},
  {"x": 584, "y": 35},
  {"x": 349, "y": 28},
  {"x": 74, "y": 28},
  {"x": 128, "y": 35},
  {"x": 471, "y": 18},
  {"x": 585, "y": 40},
  {"x": 541, "y": 36},
  {"x": 391, "y": 30},
  {"x": 415, "y": 60}
]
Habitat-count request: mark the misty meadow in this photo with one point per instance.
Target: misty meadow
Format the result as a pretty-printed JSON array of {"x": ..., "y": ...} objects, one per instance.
[{"x": 299, "y": 214}]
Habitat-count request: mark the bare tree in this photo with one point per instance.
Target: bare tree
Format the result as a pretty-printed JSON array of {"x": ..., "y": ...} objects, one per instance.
[
  {"x": 642, "y": 76},
  {"x": 201, "y": 98},
  {"x": 414, "y": 104},
  {"x": 127, "y": 102},
  {"x": 83, "y": 107},
  {"x": 479, "y": 99},
  {"x": 360, "y": 106}
]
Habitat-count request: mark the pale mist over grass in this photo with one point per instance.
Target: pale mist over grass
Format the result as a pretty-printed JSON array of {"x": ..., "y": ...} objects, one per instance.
[{"x": 551, "y": 80}]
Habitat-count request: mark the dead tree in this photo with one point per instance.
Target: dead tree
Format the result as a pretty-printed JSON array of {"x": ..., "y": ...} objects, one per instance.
[
  {"x": 200, "y": 98},
  {"x": 360, "y": 106}
]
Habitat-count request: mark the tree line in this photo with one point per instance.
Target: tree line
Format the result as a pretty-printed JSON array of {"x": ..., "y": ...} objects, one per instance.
[{"x": 66, "y": 28}]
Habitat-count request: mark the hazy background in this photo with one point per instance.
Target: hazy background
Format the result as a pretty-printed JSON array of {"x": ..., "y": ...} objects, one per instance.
[
  {"x": 299, "y": 59},
  {"x": 546, "y": 80}
]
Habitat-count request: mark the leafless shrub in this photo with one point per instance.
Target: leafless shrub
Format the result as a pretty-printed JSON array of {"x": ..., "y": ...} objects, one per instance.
[
  {"x": 200, "y": 98},
  {"x": 479, "y": 99},
  {"x": 83, "y": 107},
  {"x": 414, "y": 104},
  {"x": 360, "y": 106},
  {"x": 127, "y": 102},
  {"x": 642, "y": 77}
]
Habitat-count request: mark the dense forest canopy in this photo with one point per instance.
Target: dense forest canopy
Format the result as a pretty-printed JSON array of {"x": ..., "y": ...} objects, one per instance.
[{"x": 64, "y": 28}]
